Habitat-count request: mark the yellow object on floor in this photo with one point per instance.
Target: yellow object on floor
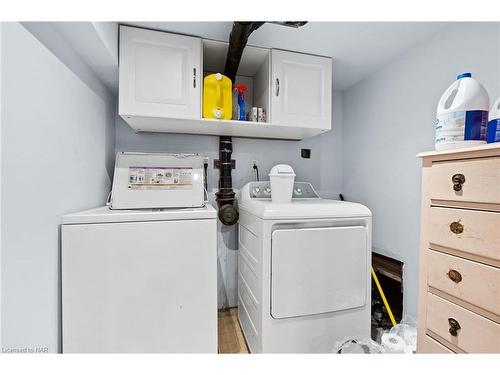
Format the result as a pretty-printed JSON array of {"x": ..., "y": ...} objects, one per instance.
[
  {"x": 386, "y": 304},
  {"x": 217, "y": 97}
]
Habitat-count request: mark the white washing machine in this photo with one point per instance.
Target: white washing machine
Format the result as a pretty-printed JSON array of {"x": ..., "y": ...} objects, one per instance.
[
  {"x": 304, "y": 270},
  {"x": 139, "y": 281},
  {"x": 143, "y": 280}
]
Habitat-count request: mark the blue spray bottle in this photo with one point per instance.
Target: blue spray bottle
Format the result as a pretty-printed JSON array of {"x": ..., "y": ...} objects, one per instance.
[{"x": 241, "y": 101}]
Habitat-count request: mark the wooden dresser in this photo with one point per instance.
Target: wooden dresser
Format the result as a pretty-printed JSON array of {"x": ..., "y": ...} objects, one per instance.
[{"x": 459, "y": 286}]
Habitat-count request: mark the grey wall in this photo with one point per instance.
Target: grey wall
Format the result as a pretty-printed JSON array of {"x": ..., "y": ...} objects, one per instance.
[
  {"x": 323, "y": 170},
  {"x": 66, "y": 50},
  {"x": 54, "y": 153},
  {"x": 389, "y": 118},
  {"x": 331, "y": 146},
  {"x": 1, "y": 120},
  {"x": 267, "y": 152},
  {"x": 326, "y": 152}
]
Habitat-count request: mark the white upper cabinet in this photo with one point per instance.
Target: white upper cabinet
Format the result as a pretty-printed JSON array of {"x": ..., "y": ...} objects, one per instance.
[
  {"x": 161, "y": 86},
  {"x": 301, "y": 90},
  {"x": 160, "y": 74}
]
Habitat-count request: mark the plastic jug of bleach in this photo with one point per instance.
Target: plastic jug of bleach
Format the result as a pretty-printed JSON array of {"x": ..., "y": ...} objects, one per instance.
[
  {"x": 217, "y": 97},
  {"x": 493, "y": 132},
  {"x": 462, "y": 114}
]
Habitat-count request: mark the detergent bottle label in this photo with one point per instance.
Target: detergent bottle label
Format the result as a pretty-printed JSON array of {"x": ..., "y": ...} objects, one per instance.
[
  {"x": 493, "y": 133},
  {"x": 461, "y": 126}
]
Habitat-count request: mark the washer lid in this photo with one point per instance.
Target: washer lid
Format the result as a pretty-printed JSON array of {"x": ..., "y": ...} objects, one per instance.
[
  {"x": 304, "y": 209},
  {"x": 106, "y": 215}
]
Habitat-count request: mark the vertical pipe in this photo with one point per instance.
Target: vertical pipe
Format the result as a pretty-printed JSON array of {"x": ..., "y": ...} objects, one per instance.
[{"x": 225, "y": 196}]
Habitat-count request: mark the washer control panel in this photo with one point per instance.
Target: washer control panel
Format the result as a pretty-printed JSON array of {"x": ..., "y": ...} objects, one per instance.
[{"x": 262, "y": 189}]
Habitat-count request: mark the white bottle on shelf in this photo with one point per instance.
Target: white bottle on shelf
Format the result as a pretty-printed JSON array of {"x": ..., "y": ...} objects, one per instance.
[
  {"x": 493, "y": 132},
  {"x": 462, "y": 114}
]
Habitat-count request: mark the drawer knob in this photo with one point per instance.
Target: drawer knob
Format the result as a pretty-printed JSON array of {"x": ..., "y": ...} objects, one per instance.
[
  {"x": 454, "y": 276},
  {"x": 456, "y": 227},
  {"x": 454, "y": 326},
  {"x": 458, "y": 180}
]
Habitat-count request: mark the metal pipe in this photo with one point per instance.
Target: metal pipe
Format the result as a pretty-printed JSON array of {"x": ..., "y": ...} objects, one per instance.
[
  {"x": 237, "y": 41},
  {"x": 238, "y": 38},
  {"x": 228, "y": 214}
]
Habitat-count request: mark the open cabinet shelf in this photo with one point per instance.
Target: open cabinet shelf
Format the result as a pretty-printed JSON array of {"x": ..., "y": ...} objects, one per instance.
[
  {"x": 234, "y": 122},
  {"x": 234, "y": 128},
  {"x": 254, "y": 72}
]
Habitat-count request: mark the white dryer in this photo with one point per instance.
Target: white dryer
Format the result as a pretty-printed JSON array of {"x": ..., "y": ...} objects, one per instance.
[{"x": 304, "y": 270}]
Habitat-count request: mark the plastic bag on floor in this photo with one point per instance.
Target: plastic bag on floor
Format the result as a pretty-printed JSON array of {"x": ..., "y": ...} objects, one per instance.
[
  {"x": 358, "y": 346},
  {"x": 408, "y": 333},
  {"x": 402, "y": 338}
]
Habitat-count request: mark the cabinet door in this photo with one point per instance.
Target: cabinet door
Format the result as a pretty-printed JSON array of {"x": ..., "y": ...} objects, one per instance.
[
  {"x": 159, "y": 74},
  {"x": 301, "y": 90}
]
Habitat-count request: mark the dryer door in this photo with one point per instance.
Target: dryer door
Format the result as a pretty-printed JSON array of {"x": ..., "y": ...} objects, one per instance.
[{"x": 318, "y": 270}]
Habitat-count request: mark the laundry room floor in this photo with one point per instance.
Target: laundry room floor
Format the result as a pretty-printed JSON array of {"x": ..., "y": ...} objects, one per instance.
[{"x": 231, "y": 339}]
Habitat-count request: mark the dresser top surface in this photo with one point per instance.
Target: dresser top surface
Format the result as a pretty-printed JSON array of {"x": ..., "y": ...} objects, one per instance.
[{"x": 490, "y": 149}]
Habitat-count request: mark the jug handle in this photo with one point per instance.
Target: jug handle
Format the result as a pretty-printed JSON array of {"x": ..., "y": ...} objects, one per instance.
[{"x": 219, "y": 96}]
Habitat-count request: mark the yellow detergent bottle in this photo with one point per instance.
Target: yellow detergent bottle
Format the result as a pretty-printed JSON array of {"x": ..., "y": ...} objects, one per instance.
[{"x": 217, "y": 97}]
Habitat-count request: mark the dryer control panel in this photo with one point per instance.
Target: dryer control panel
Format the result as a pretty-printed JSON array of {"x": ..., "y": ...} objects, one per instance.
[{"x": 262, "y": 189}]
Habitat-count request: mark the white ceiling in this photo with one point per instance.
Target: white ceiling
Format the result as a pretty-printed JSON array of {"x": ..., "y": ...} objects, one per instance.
[{"x": 358, "y": 49}]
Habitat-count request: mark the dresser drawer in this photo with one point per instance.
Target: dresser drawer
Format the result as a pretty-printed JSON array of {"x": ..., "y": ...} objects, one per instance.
[
  {"x": 474, "y": 180},
  {"x": 475, "y": 232},
  {"x": 475, "y": 335},
  {"x": 433, "y": 347},
  {"x": 469, "y": 281}
]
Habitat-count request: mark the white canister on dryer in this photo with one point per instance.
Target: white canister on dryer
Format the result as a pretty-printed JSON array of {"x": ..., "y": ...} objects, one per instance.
[
  {"x": 462, "y": 114},
  {"x": 282, "y": 178}
]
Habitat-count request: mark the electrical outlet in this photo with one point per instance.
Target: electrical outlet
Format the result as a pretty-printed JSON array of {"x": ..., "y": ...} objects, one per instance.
[{"x": 255, "y": 162}]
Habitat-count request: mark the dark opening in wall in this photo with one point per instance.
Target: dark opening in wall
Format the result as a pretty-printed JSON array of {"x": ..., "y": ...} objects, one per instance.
[{"x": 390, "y": 274}]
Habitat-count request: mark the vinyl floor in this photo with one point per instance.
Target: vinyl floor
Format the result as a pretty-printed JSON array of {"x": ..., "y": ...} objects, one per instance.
[{"x": 231, "y": 339}]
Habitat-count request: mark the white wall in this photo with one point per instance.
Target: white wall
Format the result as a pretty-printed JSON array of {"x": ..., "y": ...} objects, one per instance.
[
  {"x": 389, "y": 118},
  {"x": 267, "y": 152},
  {"x": 54, "y": 154},
  {"x": 326, "y": 152},
  {"x": 323, "y": 170},
  {"x": 331, "y": 146},
  {"x": 1, "y": 121},
  {"x": 68, "y": 51}
]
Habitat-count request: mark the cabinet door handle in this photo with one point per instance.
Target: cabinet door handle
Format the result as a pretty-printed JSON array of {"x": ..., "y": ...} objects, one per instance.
[
  {"x": 277, "y": 86},
  {"x": 194, "y": 77},
  {"x": 454, "y": 276},
  {"x": 454, "y": 326},
  {"x": 458, "y": 180},
  {"x": 456, "y": 227}
]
